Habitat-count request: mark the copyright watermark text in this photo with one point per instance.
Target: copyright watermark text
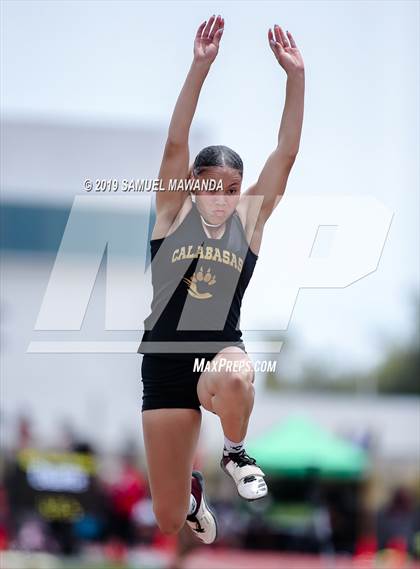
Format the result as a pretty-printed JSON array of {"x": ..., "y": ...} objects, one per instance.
[{"x": 135, "y": 185}]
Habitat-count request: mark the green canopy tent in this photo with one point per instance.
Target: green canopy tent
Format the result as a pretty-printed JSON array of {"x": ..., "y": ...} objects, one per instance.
[{"x": 298, "y": 447}]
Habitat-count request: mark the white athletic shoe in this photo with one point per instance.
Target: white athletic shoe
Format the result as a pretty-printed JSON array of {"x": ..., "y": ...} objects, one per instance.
[
  {"x": 247, "y": 475},
  {"x": 203, "y": 522}
]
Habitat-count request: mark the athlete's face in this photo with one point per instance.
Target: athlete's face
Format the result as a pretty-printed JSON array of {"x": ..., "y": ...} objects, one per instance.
[{"x": 218, "y": 204}]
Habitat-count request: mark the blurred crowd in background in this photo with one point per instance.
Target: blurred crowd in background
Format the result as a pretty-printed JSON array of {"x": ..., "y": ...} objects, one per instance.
[{"x": 71, "y": 500}]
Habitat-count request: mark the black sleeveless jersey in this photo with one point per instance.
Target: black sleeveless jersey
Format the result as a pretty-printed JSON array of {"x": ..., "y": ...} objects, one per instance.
[{"x": 198, "y": 285}]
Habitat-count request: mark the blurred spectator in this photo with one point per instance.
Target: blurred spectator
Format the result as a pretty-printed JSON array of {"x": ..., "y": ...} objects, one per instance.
[
  {"x": 33, "y": 535},
  {"x": 398, "y": 522},
  {"x": 125, "y": 494}
]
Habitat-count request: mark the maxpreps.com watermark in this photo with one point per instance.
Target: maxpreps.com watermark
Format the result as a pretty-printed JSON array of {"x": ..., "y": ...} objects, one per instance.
[
  {"x": 152, "y": 185},
  {"x": 224, "y": 365}
]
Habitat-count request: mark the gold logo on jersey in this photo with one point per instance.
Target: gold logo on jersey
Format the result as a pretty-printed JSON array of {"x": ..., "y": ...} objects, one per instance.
[
  {"x": 200, "y": 278},
  {"x": 208, "y": 254}
]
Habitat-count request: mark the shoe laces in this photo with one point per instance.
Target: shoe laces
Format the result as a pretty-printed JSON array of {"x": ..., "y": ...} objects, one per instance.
[{"x": 241, "y": 458}]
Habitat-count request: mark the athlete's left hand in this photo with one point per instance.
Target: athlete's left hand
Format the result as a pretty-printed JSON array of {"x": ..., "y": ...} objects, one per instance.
[{"x": 284, "y": 48}]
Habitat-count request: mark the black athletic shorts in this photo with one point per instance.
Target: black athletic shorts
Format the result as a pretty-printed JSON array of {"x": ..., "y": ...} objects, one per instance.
[{"x": 171, "y": 382}]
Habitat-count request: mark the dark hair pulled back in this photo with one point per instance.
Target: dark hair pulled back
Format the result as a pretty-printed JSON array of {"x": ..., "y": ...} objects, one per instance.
[{"x": 217, "y": 156}]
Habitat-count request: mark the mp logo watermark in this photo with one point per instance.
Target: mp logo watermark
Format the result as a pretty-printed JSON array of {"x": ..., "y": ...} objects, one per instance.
[{"x": 311, "y": 241}]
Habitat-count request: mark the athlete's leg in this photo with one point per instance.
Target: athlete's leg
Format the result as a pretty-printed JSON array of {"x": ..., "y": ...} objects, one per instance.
[
  {"x": 229, "y": 391},
  {"x": 170, "y": 438}
]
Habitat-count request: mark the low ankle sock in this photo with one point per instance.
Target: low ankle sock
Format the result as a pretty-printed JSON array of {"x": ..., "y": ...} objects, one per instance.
[{"x": 231, "y": 446}]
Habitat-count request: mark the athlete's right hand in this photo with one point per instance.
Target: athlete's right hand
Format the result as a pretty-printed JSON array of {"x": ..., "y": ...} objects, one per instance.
[{"x": 207, "y": 39}]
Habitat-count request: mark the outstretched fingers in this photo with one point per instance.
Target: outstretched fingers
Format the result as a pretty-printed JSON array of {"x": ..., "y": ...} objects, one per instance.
[
  {"x": 276, "y": 46},
  {"x": 200, "y": 30},
  {"x": 207, "y": 39},
  {"x": 279, "y": 40},
  {"x": 219, "y": 33},
  {"x": 211, "y": 30},
  {"x": 291, "y": 39},
  {"x": 217, "y": 26},
  {"x": 281, "y": 36},
  {"x": 208, "y": 27}
]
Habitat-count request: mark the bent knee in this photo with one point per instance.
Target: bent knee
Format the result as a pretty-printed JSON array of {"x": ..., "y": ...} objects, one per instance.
[
  {"x": 239, "y": 382},
  {"x": 169, "y": 524}
]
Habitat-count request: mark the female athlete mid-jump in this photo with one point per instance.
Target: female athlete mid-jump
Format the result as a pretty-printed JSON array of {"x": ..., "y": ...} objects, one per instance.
[{"x": 204, "y": 248}]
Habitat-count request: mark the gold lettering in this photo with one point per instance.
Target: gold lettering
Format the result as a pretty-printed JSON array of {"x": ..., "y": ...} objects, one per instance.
[
  {"x": 217, "y": 256},
  {"x": 190, "y": 255},
  {"x": 174, "y": 258},
  {"x": 209, "y": 254}
]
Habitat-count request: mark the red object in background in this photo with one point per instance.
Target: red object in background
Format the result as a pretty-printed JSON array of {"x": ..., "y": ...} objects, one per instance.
[
  {"x": 3, "y": 539},
  {"x": 365, "y": 552},
  {"x": 116, "y": 552},
  {"x": 128, "y": 490},
  {"x": 397, "y": 544},
  {"x": 4, "y": 514},
  {"x": 165, "y": 542},
  {"x": 366, "y": 545}
]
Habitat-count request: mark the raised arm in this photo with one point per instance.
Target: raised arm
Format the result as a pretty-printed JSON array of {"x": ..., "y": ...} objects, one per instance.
[
  {"x": 272, "y": 181},
  {"x": 175, "y": 161}
]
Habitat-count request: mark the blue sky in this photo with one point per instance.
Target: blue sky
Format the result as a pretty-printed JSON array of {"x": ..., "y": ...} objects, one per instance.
[{"x": 126, "y": 61}]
